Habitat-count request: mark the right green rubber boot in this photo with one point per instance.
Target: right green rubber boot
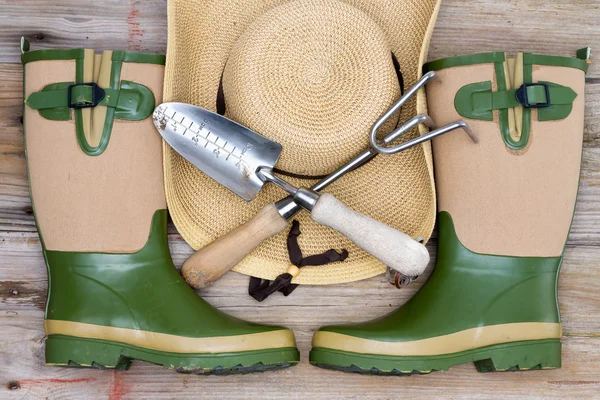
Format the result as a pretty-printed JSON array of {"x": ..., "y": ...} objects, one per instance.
[
  {"x": 506, "y": 205},
  {"x": 94, "y": 162}
]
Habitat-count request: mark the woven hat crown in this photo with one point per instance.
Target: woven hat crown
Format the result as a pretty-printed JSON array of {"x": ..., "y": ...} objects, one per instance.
[{"x": 312, "y": 75}]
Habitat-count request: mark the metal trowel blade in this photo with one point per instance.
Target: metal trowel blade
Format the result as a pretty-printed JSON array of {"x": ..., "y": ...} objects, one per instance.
[{"x": 226, "y": 151}]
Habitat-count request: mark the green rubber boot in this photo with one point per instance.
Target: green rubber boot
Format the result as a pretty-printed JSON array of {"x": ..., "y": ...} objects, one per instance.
[
  {"x": 95, "y": 168},
  {"x": 506, "y": 205}
]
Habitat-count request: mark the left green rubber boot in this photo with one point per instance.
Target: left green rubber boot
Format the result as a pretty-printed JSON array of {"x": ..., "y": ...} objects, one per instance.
[
  {"x": 94, "y": 161},
  {"x": 506, "y": 206}
]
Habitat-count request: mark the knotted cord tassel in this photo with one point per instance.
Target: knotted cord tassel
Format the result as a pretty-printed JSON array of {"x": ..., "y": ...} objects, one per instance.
[{"x": 260, "y": 289}]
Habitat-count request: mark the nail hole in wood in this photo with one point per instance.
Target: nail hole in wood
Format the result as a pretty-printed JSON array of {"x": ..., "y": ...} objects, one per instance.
[
  {"x": 13, "y": 385},
  {"x": 14, "y": 292}
]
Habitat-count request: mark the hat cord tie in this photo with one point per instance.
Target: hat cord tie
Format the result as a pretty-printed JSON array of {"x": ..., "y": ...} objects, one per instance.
[{"x": 260, "y": 289}]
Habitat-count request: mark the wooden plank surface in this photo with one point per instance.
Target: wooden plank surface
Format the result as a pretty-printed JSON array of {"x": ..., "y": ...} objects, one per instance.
[{"x": 553, "y": 27}]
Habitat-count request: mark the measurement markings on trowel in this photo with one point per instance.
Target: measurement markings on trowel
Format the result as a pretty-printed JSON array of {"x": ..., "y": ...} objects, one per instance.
[{"x": 201, "y": 136}]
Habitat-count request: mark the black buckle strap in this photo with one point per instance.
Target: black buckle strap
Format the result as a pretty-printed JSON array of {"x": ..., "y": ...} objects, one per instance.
[
  {"x": 523, "y": 98},
  {"x": 97, "y": 95}
]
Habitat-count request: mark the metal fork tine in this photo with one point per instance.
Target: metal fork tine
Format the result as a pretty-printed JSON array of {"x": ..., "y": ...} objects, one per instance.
[
  {"x": 397, "y": 105},
  {"x": 428, "y": 136},
  {"x": 378, "y": 145},
  {"x": 413, "y": 122}
]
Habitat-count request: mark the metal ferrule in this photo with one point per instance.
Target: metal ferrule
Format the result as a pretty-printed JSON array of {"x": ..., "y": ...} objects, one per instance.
[
  {"x": 306, "y": 198},
  {"x": 286, "y": 207}
]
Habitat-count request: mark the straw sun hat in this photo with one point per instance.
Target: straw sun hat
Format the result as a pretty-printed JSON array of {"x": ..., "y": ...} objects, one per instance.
[{"x": 313, "y": 75}]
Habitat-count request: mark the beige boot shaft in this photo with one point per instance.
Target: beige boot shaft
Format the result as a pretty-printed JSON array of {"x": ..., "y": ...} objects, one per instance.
[
  {"x": 96, "y": 173},
  {"x": 514, "y": 192}
]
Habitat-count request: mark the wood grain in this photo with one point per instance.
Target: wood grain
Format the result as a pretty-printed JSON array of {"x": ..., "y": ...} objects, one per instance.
[
  {"x": 553, "y": 27},
  {"x": 209, "y": 263}
]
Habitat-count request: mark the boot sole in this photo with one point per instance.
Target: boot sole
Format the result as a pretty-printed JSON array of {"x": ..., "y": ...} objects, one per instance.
[
  {"x": 69, "y": 351},
  {"x": 515, "y": 356}
]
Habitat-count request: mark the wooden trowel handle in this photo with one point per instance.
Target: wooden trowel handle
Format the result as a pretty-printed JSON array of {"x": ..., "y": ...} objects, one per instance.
[{"x": 212, "y": 261}]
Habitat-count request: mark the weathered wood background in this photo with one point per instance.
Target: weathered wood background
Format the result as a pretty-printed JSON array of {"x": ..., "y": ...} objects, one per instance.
[{"x": 545, "y": 26}]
